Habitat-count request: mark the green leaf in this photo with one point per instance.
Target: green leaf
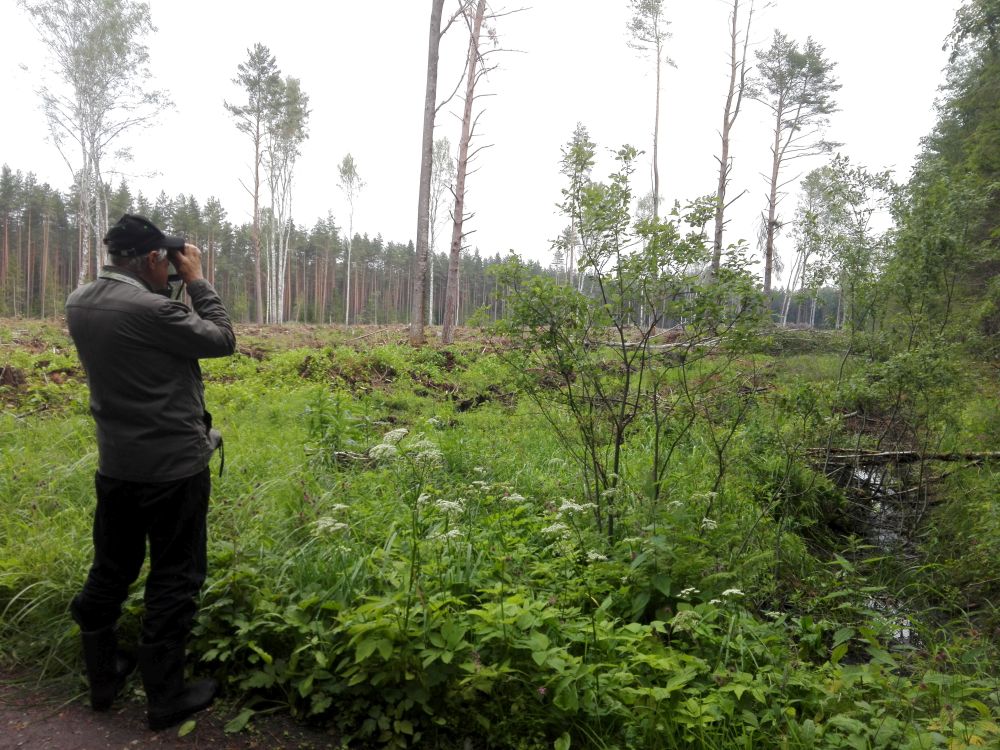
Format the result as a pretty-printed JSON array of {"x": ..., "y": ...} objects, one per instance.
[
  {"x": 305, "y": 686},
  {"x": 384, "y": 646},
  {"x": 187, "y": 727},
  {"x": 735, "y": 688},
  {"x": 259, "y": 679},
  {"x": 838, "y": 653},
  {"x": 979, "y": 706},
  {"x": 881, "y": 656},
  {"x": 938, "y": 678},
  {"x": 566, "y": 697},
  {"x": 537, "y": 641},
  {"x": 320, "y": 702},
  {"x": 680, "y": 679},
  {"x": 848, "y": 724},
  {"x": 563, "y": 743},
  {"x": 365, "y": 649},
  {"x": 454, "y": 632},
  {"x": 842, "y": 636},
  {"x": 662, "y": 584},
  {"x": 639, "y": 601},
  {"x": 239, "y": 722},
  {"x": 260, "y": 652}
]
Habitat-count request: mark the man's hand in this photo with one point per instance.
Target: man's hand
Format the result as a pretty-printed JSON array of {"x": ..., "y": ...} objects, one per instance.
[{"x": 187, "y": 262}]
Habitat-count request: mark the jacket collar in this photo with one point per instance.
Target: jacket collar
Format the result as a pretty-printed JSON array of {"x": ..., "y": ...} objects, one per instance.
[{"x": 124, "y": 275}]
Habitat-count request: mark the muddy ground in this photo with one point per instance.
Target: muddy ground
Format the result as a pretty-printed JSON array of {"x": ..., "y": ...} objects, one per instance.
[{"x": 55, "y": 715}]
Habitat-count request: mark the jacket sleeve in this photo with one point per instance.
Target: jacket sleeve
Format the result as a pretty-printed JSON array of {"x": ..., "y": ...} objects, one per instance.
[{"x": 199, "y": 334}]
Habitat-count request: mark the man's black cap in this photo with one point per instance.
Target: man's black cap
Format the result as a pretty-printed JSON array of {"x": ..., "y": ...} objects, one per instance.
[{"x": 135, "y": 235}]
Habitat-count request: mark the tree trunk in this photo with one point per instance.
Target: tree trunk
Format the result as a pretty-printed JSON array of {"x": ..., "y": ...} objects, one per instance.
[
  {"x": 656, "y": 133},
  {"x": 45, "y": 262},
  {"x": 430, "y": 301},
  {"x": 347, "y": 268},
  {"x": 424, "y": 194},
  {"x": 772, "y": 205},
  {"x": 255, "y": 234},
  {"x": 5, "y": 260},
  {"x": 454, "y": 258},
  {"x": 331, "y": 292},
  {"x": 28, "y": 263},
  {"x": 85, "y": 188}
]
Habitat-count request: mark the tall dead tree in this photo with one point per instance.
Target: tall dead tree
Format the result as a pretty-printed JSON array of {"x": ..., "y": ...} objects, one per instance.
[
  {"x": 418, "y": 289},
  {"x": 474, "y": 71},
  {"x": 734, "y": 99}
]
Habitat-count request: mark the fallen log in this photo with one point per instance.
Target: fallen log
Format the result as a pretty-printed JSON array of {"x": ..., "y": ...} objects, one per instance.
[{"x": 880, "y": 458}]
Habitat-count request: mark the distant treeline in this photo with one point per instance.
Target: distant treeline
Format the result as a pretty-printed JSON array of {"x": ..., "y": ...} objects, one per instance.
[{"x": 39, "y": 257}]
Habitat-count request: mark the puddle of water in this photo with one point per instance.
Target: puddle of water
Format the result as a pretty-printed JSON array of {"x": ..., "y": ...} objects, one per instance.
[
  {"x": 888, "y": 520},
  {"x": 903, "y": 631}
]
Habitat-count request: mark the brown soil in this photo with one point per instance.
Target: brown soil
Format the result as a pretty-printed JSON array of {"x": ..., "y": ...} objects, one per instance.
[{"x": 55, "y": 715}]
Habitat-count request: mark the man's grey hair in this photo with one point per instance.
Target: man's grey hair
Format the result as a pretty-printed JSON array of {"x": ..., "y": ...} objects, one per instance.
[{"x": 136, "y": 262}]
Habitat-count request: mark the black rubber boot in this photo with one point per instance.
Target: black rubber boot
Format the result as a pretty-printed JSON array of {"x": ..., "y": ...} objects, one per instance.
[
  {"x": 107, "y": 667},
  {"x": 170, "y": 700}
]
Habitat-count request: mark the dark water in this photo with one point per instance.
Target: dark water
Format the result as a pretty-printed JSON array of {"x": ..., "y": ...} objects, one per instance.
[{"x": 888, "y": 519}]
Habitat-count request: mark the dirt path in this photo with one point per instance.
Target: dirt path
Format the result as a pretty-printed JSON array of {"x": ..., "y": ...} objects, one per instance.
[{"x": 55, "y": 715}]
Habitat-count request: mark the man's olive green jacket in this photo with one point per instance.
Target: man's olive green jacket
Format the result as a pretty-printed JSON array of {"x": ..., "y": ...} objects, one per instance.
[{"x": 140, "y": 350}]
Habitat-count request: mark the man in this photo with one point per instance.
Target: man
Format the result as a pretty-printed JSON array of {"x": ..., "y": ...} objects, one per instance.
[{"x": 140, "y": 350}]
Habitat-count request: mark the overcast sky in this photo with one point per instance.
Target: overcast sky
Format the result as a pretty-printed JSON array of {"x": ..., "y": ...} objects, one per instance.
[{"x": 362, "y": 65}]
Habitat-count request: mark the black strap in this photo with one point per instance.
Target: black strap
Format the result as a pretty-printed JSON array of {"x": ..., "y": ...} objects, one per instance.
[{"x": 222, "y": 455}]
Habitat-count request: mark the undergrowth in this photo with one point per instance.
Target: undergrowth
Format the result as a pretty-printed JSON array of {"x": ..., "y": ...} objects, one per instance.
[{"x": 400, "y": 546}]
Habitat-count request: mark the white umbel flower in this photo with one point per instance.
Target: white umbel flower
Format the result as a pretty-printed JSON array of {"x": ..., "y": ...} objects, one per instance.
[
  {"x": 450, "y": 506},
  {"x": 327, "y": 525},
  {"x": 394, "y": 436},
  {"x": 383, "y": 452}
]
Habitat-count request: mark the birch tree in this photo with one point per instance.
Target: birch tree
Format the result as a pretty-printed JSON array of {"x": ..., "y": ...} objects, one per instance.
[
  {"x": 442, "y": 185},
  {"x": 101, "y": 93},
  {"x": 838, "y": 238},
  {"x": 576, "y": 164},
  {"x": 285, "y": 133},
  {"x": 648, "y": 28},
  {"x": 261, "y": 80},
  {"x": 738, "y": 86},
  {"x": 351, "y": 184},
  {"x": 797, "y": 86},
  {"x": 816, "y": 230}
]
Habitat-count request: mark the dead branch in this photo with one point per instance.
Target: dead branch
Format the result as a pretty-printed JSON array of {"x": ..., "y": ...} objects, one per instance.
[
  {"x": 654, "y": 347},
  {"x": 376, "y": 331},
  {"x": 352, "y": 457}
]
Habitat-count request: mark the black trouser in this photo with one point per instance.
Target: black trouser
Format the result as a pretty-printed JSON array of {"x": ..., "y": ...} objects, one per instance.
[{"x": 172, "y": 515}]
